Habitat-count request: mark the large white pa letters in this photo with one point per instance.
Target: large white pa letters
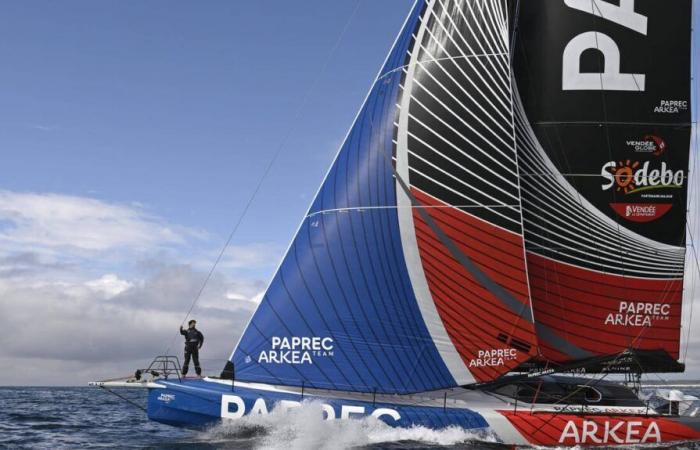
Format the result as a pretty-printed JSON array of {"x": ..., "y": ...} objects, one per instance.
[{"x": 611, "y": 79}]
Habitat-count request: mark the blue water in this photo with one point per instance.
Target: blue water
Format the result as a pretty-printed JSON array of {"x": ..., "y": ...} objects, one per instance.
[{"x": 73, "y": 418}]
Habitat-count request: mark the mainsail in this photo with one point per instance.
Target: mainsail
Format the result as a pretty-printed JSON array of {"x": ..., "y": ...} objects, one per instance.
[
  {"x": 603, "y": 138},
  {"x": 408, "y": 272}
]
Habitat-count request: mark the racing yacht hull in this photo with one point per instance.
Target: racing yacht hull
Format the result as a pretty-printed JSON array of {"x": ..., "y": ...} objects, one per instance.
[{"x": 197, "y": 403}]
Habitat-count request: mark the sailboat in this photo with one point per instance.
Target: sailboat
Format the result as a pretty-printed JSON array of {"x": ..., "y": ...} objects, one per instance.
[{"x": 503, "y": 228}]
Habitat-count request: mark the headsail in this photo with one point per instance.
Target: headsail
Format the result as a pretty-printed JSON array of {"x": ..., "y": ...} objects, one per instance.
[
  {"x": 408, "y": 272},
  {"x": 603, "y": 133}
]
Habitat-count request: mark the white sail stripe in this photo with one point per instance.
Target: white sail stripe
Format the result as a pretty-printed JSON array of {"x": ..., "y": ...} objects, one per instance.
[
  {"x": 504, "y": 57},
  {"x": 493, "y": 131},
  {"x": 468, "y": 141},
  {"x": 458, "y": 179},
  {"x": 497, "y": 70},
  {"x": 393, "y": 207},
  {"x": 504, "y": 48},
  {"x": 461, "y": 194},
  {"x": 498, "y": 66},
  {"x": 576, "y": 247},
  {"x": 470, "y": 81},
  {"x": 544, "y": 183},
  {"x": 446, "y": 348},
  {"x": 502, "y": 45},
  {"x": 500, "y": 16},
  {"x": 678, "y": 277},
  {"x": 493, "y": 13},
  {"x": 446, "y": 58},
  {"x": 463, "y": 168},
  {"x": 615, "y": 268},
  {"x": 579, "y": 230},
  {"x": 502, "y": 92},
  {"x": 474, "y": 216},
  {"x": 457, "y": 116}
]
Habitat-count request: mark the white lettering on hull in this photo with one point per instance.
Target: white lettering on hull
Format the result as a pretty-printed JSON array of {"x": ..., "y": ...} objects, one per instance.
[
  {"x": 610, "y": 432},
  {"x": 233, "y": 407}
]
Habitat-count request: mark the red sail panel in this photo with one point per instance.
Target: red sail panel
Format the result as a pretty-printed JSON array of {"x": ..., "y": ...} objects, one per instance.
[
  {"x": 490, "y": 335},
  {"x": 604, "y": 313}
]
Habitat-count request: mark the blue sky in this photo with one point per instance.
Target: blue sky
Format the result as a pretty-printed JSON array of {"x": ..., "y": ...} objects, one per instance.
[
  {"x": 132, "y": 135},
  {"x": 179, "y": 105}
]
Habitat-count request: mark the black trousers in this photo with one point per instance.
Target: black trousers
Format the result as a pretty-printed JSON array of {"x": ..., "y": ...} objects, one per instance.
[{"x": 191, "y": 351}]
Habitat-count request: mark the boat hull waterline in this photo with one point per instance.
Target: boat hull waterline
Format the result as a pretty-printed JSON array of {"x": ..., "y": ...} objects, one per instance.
[{"x": 206, "y": 402}]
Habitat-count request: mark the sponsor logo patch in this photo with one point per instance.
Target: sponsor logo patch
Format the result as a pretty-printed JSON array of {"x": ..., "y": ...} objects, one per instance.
[
  {"x": 671, "y": 107},
  {"x": 166, "y": 398},
  {"x": 634, "y": 176},
  {"x": 296, "y": 350},
  {"x": 638, "y": 314},
  {"x": 648, "y": 144},
  {"x": 494, "y": 357},
  {"x": 641, "y": 212}
]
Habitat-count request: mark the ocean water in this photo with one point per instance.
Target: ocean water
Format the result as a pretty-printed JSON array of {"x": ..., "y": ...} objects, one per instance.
[{"x": 76, "y": 418}]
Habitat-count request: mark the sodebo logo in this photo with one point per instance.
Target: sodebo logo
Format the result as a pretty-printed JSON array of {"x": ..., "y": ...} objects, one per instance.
[
  {"x": 633, "y": 176},
  {"x": 234, "y": 407},
  {"x": 296, "y": 350}
]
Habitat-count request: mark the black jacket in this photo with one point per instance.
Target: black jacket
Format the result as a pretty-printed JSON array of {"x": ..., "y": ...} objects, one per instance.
[{"x": 193, "y": 337}]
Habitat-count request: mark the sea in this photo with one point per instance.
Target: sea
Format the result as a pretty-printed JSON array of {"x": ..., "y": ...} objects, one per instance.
[{"x": 87, "y": 418}]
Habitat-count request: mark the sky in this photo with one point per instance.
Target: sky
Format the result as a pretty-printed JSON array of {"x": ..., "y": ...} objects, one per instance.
[{"x": 132, "y": 135}]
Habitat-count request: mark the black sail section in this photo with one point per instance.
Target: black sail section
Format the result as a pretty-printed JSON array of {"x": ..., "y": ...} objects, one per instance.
[{"x": 603, "y": 135}]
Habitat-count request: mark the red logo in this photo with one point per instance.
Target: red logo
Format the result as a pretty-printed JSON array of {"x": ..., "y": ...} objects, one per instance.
[
  {"x": 659, "y": 143},
  {"x": 641, "y": 212}
]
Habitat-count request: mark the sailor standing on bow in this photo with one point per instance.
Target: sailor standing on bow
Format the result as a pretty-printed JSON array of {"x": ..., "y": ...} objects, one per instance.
[{"x": 193, "y": 342}]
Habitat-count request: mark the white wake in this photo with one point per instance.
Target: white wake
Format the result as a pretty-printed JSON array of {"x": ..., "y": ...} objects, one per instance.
[{"x": 303, "y": 428}]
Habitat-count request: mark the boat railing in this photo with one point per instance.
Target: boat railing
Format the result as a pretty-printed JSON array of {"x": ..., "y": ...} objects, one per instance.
[{"x": 162, "y": 366}]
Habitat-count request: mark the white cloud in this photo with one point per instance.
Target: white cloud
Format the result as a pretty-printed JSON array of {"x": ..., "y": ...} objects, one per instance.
[
  {"x": 51, "y": 223},
  {"x": 109, "y": 285},
  {"x": 91, "y": 289},
  {"x": 77, "y": 331}
]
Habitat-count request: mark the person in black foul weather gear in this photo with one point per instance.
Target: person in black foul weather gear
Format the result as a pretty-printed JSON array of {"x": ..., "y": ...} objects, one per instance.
[{"x": 193, "y": 342}]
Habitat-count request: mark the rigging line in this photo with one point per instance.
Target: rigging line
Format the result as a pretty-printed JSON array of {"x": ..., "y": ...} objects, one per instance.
[
  {"x": 511, "y": 91},
  {"x": 694, "y": 185},
  {"x": 369, "y": 208},
  {"x": 692, "y": 300},
  {"x": 278, "y": 151},
  {"x": 124, "y": 398}
]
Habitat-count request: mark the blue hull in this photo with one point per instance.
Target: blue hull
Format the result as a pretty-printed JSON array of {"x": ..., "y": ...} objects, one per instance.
[{"x": 198, "y": 403}]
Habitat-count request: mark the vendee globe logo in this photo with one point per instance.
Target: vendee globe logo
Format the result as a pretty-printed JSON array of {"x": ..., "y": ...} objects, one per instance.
[{"x": 296, "y": 350}]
